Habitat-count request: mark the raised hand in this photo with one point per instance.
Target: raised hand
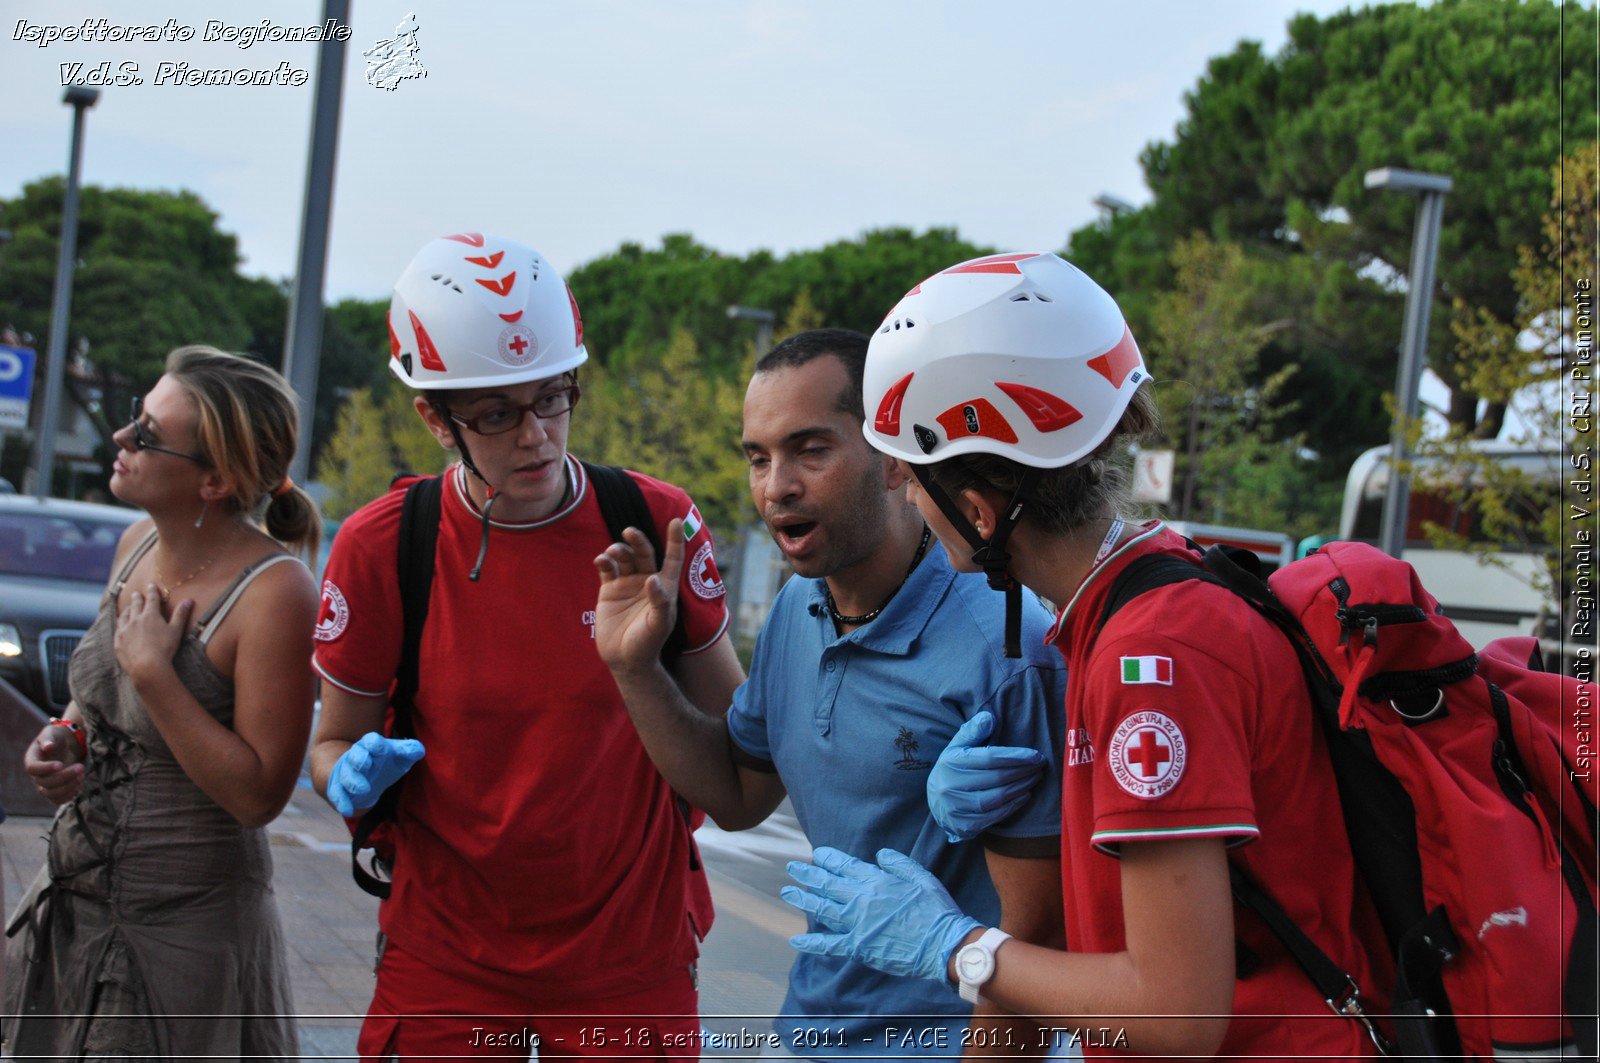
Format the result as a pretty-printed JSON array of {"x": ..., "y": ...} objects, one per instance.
[
  {"x": 637, "y": 605},
  {"x": 974, "y": 786},
  {"x": 895, "y": 917}
]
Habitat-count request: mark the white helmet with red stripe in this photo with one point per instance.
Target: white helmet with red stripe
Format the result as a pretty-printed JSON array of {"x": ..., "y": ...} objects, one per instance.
[
  {"x": 474, "y": 311},
  {"x": 1019, "y": 355}
]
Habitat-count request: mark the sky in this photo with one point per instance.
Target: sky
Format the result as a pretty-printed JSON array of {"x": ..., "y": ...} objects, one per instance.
[{"x": 577, "y": 127}]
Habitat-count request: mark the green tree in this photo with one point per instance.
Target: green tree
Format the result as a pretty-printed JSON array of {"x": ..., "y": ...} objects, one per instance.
[
  {"x": 633, "y": 298},
  {"x": 854, "y": 283},
  {"x": 1530, "y": 356},
  {"x": 673, "y": 420},
  {"x": 1272, "y": 151},
  {"x": 1221, "y": 413},
  {"x": 154, "y": 272},
  {"x": 157, "y": 272},
  {"x": 376, "y": 435},
  {"x": 355, "y": 355}
]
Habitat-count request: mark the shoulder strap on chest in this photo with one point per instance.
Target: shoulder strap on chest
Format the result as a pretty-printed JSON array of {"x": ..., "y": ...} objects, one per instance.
[
  {"x": 224, "y": 605},
  {"x": 1227, "y": 567},
  {"x": 623, "y": 505},
  {"x": 414, "y": 556},
  {"x": 126, "y": 570},
  {"x": 1145, "y": 574}
]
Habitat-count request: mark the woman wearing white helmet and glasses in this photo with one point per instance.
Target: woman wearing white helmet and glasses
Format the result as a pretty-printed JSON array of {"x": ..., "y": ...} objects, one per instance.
[
  {"x": 542, "y": 870},
  {"x": 1011, "y": 385}
]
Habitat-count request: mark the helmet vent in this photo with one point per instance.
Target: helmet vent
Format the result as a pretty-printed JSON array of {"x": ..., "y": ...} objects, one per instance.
[
  {"x": 1020, "y": 297},
  {"x": 446, "y": 281},
  {"x": 897, "y": 324},
  {"x": 1043, "y": 298}
]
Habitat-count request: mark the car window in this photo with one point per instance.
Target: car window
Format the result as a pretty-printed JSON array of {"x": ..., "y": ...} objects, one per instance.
[{"x": 54, "y": 547}]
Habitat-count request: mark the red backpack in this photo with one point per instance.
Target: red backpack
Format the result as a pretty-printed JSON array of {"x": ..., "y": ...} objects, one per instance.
[{"x": 1473, "y": 832}]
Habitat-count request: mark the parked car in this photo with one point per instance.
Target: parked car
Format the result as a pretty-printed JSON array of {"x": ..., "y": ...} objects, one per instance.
[{"x": 55, "y": 559}]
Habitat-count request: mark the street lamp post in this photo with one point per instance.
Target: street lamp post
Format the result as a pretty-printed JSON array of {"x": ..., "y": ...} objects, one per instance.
[
  {"x": 1112, "y": 205},
  {"x": 1431, "y": 188},
  {"x": 302, "y": 342},
  {"x": 764, "y": 320},
  {"x": 80, "y": 99}
]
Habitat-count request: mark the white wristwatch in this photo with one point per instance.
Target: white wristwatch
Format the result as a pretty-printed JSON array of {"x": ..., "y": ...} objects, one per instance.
[{"x": 975, "y": 962}]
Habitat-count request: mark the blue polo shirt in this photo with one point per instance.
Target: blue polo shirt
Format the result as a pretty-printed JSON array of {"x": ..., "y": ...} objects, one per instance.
[{"x": 853, "y": 724}]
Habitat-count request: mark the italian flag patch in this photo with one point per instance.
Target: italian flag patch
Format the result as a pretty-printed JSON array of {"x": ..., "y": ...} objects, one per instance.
[
  {"x": 1138, "y": 670},
  {"x": 692, "y": 523}
]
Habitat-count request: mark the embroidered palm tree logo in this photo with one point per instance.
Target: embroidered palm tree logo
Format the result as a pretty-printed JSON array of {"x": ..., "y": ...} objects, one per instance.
[{"x": 906, "y": 743}]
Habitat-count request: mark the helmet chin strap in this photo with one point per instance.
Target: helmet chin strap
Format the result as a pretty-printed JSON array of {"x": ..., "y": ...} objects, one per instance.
[
  {"x": 466, "y": 459},
  {"x": 989, "y": 554}
]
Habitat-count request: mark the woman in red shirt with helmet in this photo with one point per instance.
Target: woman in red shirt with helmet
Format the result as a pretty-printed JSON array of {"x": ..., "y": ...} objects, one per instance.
[{"x": 1011, "y": 386}]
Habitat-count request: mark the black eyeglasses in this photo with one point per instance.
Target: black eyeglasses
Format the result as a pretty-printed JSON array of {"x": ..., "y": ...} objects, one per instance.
[
  {"x": 144, "y": 442},
  {"x": 497, "y": 419}
]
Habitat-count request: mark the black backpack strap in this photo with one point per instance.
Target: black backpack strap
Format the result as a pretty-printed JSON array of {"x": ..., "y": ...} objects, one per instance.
[
  {"x": 623, "y": 506},
  {"x": 417, "y": 542},
  {"x": 1340, "y": 990},
  {"x": 1145, "y": 574}
]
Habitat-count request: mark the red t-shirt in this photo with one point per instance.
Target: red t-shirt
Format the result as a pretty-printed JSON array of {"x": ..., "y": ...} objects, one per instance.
[
  {"x": 1188, "y": 717},
  {"x": 535, "y": 838}
]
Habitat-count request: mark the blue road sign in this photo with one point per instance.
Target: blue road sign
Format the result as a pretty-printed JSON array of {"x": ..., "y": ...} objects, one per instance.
[{"x": 16, "y": 385}]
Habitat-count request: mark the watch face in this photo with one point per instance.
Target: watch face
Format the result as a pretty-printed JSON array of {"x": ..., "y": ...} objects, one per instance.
[{"x": 975, "y": 963}]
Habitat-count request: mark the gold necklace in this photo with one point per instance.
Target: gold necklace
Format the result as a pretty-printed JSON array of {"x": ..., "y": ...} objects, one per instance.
[{"x": 166, "y": 591}]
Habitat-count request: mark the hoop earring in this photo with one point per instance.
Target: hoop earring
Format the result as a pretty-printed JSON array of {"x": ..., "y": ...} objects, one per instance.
[{"x": 201, "y": 519}]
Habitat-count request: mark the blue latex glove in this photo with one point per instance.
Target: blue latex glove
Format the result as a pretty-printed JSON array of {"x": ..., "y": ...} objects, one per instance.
[
  {"x": 974, "y": 786},
  {"x": 367, "y": 769},
  {"x": 895, "y": 917}
]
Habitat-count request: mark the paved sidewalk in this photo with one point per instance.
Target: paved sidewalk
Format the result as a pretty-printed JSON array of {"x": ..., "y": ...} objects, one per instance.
[{"x": 330, "y": 926}]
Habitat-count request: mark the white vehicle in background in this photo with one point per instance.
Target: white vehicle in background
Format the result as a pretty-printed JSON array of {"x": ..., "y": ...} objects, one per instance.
[
  {"x": 1275, "y": 549},
  {"x": 1485, "y": 599}
]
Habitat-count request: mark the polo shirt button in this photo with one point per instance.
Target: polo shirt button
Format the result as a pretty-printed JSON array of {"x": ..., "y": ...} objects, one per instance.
[{"x": 831, "y": 665}]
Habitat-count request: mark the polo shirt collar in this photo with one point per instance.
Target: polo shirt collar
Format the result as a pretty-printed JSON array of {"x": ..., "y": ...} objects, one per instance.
[
  {"x": 897, "y": 628},
  {"x": 1092, "y": 582}
]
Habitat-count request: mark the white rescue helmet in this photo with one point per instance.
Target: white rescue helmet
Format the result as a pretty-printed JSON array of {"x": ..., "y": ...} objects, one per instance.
[
  {"x": 1019, "y": 355},
  {"x": 474, "y": 311}
]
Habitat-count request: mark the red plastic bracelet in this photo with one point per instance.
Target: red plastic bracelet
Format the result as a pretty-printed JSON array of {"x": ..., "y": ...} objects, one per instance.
[{"x": 77, "y": 732}]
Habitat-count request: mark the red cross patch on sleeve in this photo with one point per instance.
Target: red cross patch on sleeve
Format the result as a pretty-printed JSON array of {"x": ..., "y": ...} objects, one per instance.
[{"x": 1148, "y": 754}]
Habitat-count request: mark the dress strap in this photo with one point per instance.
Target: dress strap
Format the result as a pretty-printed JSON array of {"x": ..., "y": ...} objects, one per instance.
[
  {"x": 219, "y": 610},
  {"x": 149, "y": 540}
]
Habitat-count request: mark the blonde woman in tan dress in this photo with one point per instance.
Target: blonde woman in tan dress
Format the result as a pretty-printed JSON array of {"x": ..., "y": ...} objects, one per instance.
[{"x": 152, "y": 930}]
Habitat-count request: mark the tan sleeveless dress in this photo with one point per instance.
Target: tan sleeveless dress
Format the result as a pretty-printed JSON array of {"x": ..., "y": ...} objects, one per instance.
[{"x": 153, "y": 930}]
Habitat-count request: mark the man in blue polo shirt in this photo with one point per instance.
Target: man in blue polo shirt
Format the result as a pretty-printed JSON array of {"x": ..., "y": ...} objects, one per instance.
[{"x": 866, "y": 669}]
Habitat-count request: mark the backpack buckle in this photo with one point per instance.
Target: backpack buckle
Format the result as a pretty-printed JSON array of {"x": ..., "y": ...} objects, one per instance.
[{"x": 1350, "y": 1007}]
